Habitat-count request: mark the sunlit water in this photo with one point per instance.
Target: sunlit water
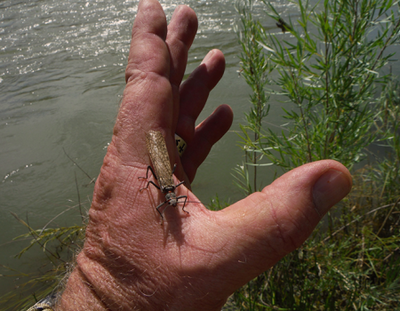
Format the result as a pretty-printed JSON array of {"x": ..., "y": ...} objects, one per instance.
[{"x": 61, "y": 79}]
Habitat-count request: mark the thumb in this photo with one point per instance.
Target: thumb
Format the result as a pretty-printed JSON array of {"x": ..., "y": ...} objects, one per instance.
[{"x": 269, "y": 224}]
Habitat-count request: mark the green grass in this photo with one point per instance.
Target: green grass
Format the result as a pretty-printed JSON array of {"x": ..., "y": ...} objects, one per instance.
[
  {"x": 58, "y": 245},
  {"x": 344, "y": 104}
]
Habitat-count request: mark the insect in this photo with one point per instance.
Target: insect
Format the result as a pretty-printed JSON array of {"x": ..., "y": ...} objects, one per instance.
[
  {"x": 283, "y": 26},
  {"x": 162, "y": 170}
]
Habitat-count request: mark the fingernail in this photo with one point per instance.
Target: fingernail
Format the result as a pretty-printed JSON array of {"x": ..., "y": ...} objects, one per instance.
[
  {"x": 208, "y": 56},
  {"x": 329, "y": 189}
]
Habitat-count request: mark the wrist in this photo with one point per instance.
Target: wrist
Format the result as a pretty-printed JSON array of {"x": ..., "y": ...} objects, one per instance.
[
  {"x": 78, "y": 294},
  {"x": 93, "y": 287}
]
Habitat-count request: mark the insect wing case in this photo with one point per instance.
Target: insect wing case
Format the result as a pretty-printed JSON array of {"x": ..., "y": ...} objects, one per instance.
[{"x": 159, "y": 158}]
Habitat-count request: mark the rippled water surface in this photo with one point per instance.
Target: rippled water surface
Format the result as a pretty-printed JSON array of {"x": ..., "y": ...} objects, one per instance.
[{"x": 61, "y": 79}]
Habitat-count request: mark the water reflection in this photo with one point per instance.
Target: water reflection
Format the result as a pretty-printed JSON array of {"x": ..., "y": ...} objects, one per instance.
[{"x": 61, "y": 79}]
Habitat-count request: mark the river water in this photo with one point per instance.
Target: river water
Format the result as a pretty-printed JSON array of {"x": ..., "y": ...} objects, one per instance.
[{"x": 61, "y": 79}]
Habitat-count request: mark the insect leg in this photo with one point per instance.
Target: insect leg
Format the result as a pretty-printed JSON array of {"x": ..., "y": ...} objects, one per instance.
[
  {"x": 157, "y": 208},
  {"x": 173, "y": 169},
  {"x": 177, "y": 185},
  {"x": 184, "y": 203},
  {"x": 147, "y": 186},
  {"x": 149, "y": 168}
]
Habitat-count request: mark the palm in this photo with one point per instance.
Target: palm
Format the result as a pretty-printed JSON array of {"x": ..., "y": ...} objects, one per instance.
[{"x": 133, "y": 260}]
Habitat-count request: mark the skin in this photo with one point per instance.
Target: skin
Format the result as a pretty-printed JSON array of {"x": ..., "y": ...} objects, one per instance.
[{"x": 132, "y": 261}]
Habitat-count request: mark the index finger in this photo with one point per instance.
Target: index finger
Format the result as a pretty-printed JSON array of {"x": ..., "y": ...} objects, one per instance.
[{"x": 147, "y": 100}]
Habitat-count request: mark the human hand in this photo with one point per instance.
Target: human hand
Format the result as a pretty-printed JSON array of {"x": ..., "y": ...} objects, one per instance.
[{"x": 189, "y": 262}]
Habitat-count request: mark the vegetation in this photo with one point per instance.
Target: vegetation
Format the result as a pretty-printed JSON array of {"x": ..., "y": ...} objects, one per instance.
[
  {"x": 59, "y": 245},
  {"x": 332, "y": 64}
]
